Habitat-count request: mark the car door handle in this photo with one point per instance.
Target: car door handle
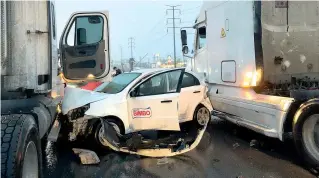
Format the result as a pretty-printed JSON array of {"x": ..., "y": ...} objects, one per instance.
[
  {"x": 166, "y": 101},
  {"x": 196, "y": 91}
]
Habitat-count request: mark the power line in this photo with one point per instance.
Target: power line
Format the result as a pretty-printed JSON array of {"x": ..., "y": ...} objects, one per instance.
[
  {"x": 190, "y": 9},
  {"x": 173, "y": 9},
  {"x": 152, "y": 29}
]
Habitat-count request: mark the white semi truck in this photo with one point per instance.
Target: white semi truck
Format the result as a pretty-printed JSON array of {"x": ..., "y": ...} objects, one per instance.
[
  {"x": 261, "y": 62},
  {"x": 31, "y": 88}
]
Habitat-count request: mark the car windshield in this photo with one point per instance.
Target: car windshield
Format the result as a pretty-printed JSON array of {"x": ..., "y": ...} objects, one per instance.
[{"x": 118, "y": 83}]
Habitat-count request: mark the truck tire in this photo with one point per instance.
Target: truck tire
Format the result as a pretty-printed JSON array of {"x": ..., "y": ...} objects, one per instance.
[
  {"x": 20, "y": 147},
  {"x": 306, "y": 136}
]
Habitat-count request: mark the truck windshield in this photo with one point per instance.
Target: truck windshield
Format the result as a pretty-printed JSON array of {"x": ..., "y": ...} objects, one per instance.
[{"x": 118, "y": 83}]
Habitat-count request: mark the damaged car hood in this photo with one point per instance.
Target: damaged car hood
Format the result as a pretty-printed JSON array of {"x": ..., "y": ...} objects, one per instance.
[{"x": 76, "y": 97}]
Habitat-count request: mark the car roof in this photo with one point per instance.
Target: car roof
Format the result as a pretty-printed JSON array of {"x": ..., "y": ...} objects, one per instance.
[
  {"x": 148, "y": 70},
  {"x": 153, "y": 70}
]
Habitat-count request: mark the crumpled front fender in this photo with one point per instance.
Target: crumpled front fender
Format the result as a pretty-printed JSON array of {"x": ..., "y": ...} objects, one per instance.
[{"x": 76, "y": 97}]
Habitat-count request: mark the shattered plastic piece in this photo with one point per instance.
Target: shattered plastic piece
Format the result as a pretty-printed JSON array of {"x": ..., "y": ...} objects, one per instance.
[
  {"x": 302, "y": 58},
  {"x": 253, "y": 143},
  {"x": 235, "y": 145},
  {"x": 87, "y": 156},
  {"x": 162, "y": 161},
  {"x": 287, "y": 63}
]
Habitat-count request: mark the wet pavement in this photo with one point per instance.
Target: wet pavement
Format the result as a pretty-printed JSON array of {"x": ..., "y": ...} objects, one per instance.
[{"x": 225, "y": 151}]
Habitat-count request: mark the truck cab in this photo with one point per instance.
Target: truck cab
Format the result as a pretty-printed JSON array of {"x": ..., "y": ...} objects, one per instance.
[{"x": 259, "y": 71}]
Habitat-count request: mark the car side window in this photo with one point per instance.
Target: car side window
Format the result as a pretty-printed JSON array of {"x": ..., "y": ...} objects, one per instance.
[
  {"x": 173, "y": 80},
  {"x": 160, "y": 84},
  {"x": 189, "y": 80},
  {"x": 153, "y": 86}
]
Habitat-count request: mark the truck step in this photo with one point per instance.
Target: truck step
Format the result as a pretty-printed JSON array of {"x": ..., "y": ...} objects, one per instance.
[{"x": 54, "y": 133}]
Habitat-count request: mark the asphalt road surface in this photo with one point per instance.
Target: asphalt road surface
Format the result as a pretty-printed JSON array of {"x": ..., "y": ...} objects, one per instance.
[{"x": 225, "y": 151}]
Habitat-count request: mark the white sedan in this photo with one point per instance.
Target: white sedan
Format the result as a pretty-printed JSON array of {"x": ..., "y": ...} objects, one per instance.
[{"x": 151, "y": 112}]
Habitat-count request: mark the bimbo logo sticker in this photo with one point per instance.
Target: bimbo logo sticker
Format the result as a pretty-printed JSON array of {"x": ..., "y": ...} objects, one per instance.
[{"x": 142, "y": 112}]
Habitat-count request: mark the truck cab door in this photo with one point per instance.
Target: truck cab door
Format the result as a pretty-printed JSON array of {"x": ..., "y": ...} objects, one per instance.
[{"x": 84, "y": 47}]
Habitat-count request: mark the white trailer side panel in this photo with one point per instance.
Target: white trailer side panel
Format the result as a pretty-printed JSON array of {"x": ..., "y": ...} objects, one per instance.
[
  {"x": 295, "y": 39},
  {"x": 28, "y": 54}
]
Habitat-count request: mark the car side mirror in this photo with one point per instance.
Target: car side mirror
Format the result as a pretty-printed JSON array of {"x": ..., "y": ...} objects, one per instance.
[
  {"x": 185, "y": 49},
  {"x": 133, "y": 93},
  {"x": 184, "y": 37},
  {"x": 81, "y": 36}
]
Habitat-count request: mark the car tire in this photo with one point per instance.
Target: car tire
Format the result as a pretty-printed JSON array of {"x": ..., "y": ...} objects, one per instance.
[
  {"x": 201, "y": 115},
  {"x": 97, "y": 129},
  {"x": 21, "y": 154},
  {"x": 306, "y": 145}
]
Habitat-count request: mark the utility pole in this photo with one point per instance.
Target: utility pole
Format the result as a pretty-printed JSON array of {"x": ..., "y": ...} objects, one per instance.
[
  {"x": 122, "y": 58},
  {"x": 173, "y": 9},
  {"x": 131, "y": 44}
]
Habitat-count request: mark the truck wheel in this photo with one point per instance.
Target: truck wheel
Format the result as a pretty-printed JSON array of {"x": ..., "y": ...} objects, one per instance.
[
  {"x": 306, "y": 136},
  {"x": 202, "y": 115},
  {"x": 20, "y": 147}
]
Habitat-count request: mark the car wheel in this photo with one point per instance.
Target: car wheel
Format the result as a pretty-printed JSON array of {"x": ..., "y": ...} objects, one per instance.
[
  {"x": 20, "y": 147},
  {"x": 306, "y": 137},
  {"x": 98, "y": 131},
  {"x": 202, "y": 115}
]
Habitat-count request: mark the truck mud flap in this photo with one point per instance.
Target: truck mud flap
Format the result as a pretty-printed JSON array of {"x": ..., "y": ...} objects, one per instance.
[{"x": 132, "y": 144}]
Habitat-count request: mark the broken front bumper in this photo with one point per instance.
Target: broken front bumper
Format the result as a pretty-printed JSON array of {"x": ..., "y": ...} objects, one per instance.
[{"x": 174, "y": 144}]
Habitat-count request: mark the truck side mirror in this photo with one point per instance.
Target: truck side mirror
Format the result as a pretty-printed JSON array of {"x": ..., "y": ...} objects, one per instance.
[
  {"x": 184, "y": 37},
  {"x": 81, "y": 36},
  {"x": 185, "y": 49}
]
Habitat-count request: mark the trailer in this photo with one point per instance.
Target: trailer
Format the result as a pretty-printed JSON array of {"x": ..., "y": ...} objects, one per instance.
[
  {"x": 31, "y": 86},
  {"x": 261, "y": 62}
]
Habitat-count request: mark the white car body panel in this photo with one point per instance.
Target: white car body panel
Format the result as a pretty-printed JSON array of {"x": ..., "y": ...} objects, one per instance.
[
  {"x": 190, "y": 101},
  {"x": 156, "y": 115},
  {"x": 162, "y": 116},
  {"x": 76, "y": 97}
]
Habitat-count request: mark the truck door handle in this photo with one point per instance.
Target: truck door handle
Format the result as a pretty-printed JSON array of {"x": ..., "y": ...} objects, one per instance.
[
  {"x": 196, "y": 91},
  {"x": 166, "y": 101},
  {"x": 82, "y": 52}
]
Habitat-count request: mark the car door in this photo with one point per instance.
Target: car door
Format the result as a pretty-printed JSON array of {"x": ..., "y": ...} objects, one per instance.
[
  {"x": 84, "y": 47},
  {"x": 191, "y": 95},
  {"x": 154, "y": 104}
]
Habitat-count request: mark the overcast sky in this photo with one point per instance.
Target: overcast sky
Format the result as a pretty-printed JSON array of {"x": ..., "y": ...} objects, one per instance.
[{"x": 143, "y": 20}]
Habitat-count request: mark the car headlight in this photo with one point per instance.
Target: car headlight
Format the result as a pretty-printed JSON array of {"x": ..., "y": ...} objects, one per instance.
[{"x": 78, "y": 112}]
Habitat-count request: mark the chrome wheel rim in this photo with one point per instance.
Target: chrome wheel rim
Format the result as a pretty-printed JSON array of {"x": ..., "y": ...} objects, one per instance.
[
  {"x": 310, "y": 135},
  {"x": 203, "y": 116},
  {"x": 30, "y": 168}
]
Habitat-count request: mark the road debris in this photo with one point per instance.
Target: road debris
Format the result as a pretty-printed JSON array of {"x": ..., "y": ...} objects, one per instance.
[
  {"x": 253, "y": 143},
  {"x": 162, "y": 161},
  {"x": 86, "y": 156},
  {"x": 235, "y": 145}
]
